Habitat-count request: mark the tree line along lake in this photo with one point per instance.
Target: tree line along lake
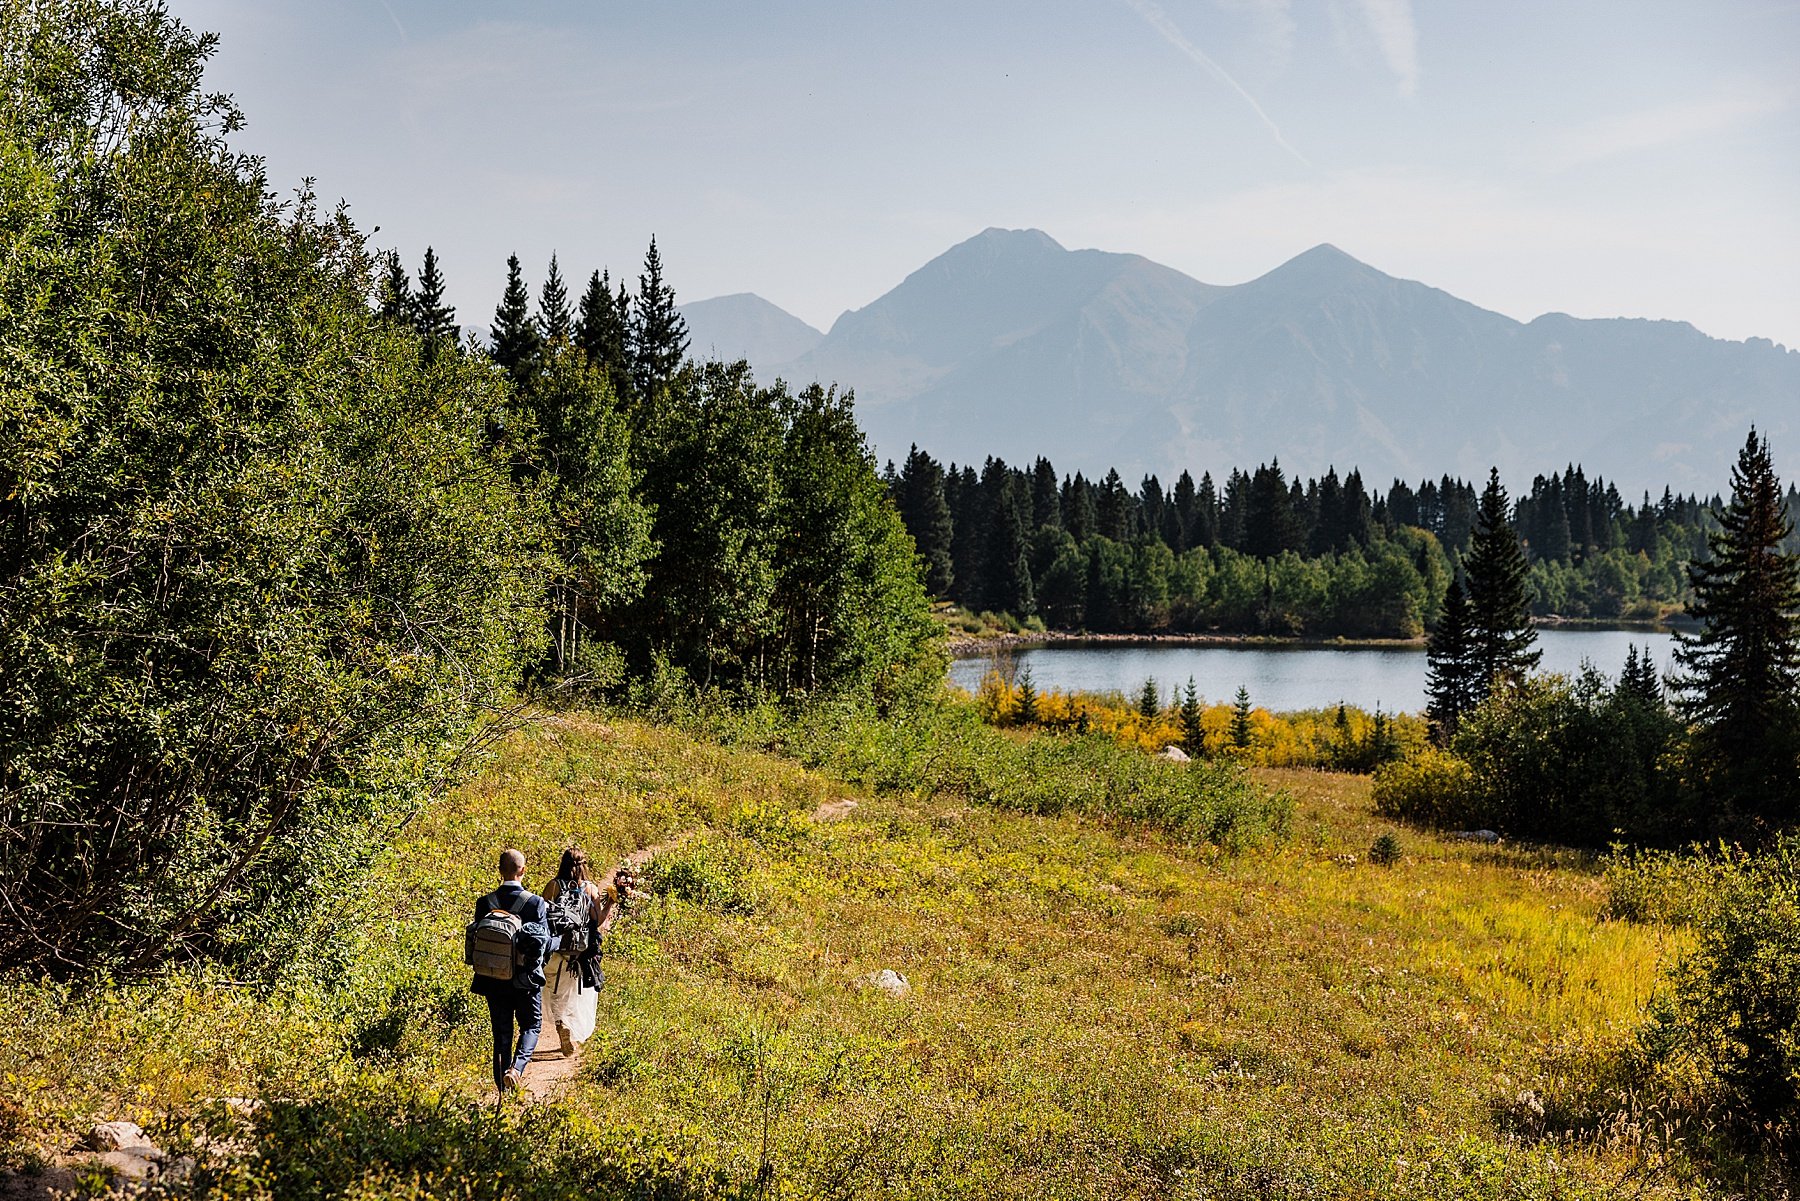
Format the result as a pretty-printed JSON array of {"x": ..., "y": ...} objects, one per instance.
[{"x": 1284, "y": 677}]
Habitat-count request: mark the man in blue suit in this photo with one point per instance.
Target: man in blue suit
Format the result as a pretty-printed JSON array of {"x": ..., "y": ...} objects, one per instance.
[{"x": 520, "y": 999}]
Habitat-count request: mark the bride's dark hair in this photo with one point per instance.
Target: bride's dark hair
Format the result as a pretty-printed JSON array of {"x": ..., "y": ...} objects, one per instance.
[{"x": 574, "y": 866}]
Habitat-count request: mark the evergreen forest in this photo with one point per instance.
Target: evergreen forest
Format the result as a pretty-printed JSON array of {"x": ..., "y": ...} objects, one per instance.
[{"x": 1268, "y": 555}]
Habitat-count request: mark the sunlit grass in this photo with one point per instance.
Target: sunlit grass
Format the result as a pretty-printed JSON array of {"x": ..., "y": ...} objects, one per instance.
[{"x": 1096, "y": 1010}]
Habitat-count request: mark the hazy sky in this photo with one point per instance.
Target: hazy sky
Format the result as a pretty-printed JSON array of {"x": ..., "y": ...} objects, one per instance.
[{"x": 1602, "y": 158}]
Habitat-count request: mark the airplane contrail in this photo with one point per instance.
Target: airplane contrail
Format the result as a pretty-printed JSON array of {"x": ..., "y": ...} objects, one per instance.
[
  {"x": 1159, "y": 20},
  {"x": 392, "y": 16}
]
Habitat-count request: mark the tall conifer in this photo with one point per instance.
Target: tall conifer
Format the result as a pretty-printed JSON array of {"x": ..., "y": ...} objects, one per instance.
[
  {"x": 1240, "y": 719},
  {"x": 515, "y": 343},
  {"x": 1193, "y": 732},
  {"x": 554, "y": 320},
  {"x": 1046, "y": 499},
  {"x": 1270, "y": 524},
  {"x": 1450, "y": 666},
  {"x": 659, "y": 333},
  {"x": 394, "y": 298},
  {"x": 601, "y": 332},
  {"x": 1742, "y": 687},
  {"x": 1005, "y": 570},
  {"x": 927, "y": 516},
  {"x": 1502, "y": 640},
  {"x": 436, "y": 321}
]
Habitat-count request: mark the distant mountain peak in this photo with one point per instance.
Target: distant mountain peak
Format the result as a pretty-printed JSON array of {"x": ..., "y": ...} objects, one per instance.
[
  {"x": 1035, "y": 238},
  {"x": 1010, "y": 344},
  {"x": 1323, "y": 262},
  {"x": 744, "y": 325}
]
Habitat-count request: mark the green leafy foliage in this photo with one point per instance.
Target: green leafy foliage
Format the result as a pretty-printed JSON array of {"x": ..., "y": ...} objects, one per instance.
[
  {"x": 1655, "y": 886},
  {"x": 946, "y": 750},
  {"x": 1575, "y": 761},
  {"x": 373, "y": 1139},
  {"x": 260, "y": 571},
  {"x": 780, "y": 562},
  {"x": 707, "y": 874},
  {"x": 1729, "y": 1026},
  {"x": 579, "y": 457}
]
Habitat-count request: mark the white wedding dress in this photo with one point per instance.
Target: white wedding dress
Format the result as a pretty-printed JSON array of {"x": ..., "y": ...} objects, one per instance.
[{"x": 566, "y": 1002}]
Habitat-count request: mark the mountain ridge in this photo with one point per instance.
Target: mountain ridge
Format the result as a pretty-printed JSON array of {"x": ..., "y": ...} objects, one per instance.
[{"x": 1009, "y": 344}]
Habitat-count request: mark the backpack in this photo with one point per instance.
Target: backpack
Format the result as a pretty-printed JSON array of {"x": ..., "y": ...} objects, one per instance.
[
  {"x": 491, "y": 944},
  {"x": 570, "y": 914}
]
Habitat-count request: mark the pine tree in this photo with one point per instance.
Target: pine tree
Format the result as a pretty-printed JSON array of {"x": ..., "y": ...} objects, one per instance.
[
  {"x": 1742, "y": 683},
  {"x": 1113, "y": 508},
  {"x": 920, "y": 499},
  {"x": 1149, "y": 700},
  {"x": 436, "y": 321},
  {"x": 968, "y": 544},
  {"x": 554, "y": 321},
  {"x": 1005, "y": 568},
  {"x": 1025, "y": 712},
  {"x": 1080, "y": 515},
  {"x": 1450, "y": 666},
  {"x": 1638, "y": 680},
  {"x": 1046, "y": 499},
  {"x": 1240, "y": 719},
  {"x": 515, "y": 342},
  {"x": 1204, "y": 530},
  {"x": 1186, "y": 508},
  {"x": 394, "y": 298},
  {"x": 1501, "y": 635},
  {"x": 1193, "y": 734},
  {"x": 659, "y": 333},
  {"x": 602, "y": 333},
  {"x": 1270, "y": 526}
]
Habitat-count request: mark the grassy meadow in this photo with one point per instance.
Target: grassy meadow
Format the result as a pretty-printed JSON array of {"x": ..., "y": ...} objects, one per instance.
[{"x": 1097, "y": 1009}]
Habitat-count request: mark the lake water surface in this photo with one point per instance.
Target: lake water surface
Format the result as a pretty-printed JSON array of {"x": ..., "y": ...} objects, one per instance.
[{"x": 1283, "y": 678}]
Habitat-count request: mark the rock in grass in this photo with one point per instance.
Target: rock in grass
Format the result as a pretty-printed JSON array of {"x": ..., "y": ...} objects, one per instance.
[
  {"x": 114, "y": 1136},
  {"x": 1174, "y": 754},
  {"x": 1477, "y": 836},
  {"x": 891, "y": 982}
]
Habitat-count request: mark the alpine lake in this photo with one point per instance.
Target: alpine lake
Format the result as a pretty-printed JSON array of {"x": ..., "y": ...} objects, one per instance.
[{"x": 1287, "y": 676}]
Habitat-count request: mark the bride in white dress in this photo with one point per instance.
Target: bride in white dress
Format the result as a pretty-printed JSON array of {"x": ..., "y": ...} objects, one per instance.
[{"x": 571, "y": 1000}]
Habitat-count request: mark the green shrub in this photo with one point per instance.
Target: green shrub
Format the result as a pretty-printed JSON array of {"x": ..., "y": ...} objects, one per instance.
[
  {"x": 387, "y": 1140},
  {"x": 706, "y": 874},
  {"x": 1732, "y": 1012},
  {"x": 1664, "y": 887},
  {"x": 1429, "y": 787},
  {"x": 1573, "y": 761},
  {"x": 945, "y": 749},
  {"x": 1385, "y": 851}
]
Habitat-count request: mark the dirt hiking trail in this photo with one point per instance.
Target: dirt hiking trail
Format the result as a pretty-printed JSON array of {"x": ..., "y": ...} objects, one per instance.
[{"x": 551, "y": 1070}]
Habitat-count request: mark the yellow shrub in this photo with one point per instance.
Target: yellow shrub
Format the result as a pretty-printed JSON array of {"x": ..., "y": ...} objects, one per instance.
[
  {"x": 1427, "y": 786},
  {"x": 1312, "y": 738}
]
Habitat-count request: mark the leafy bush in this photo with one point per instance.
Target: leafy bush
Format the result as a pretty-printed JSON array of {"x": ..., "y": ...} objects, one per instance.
[
  {"x": 1732, "y": 1013},
  {"x": 1573, "y": 761},
  {"x": 261, "y": 570},
  {"x": 1385, "y": 850},
  {"x": 1429, "y": 787},
  {"x": 393, "y": 1141},
  {"x": 946, "y": 749},
  {"x": 1664, "y": 887},
  {"x": 704, "y": 873}
]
